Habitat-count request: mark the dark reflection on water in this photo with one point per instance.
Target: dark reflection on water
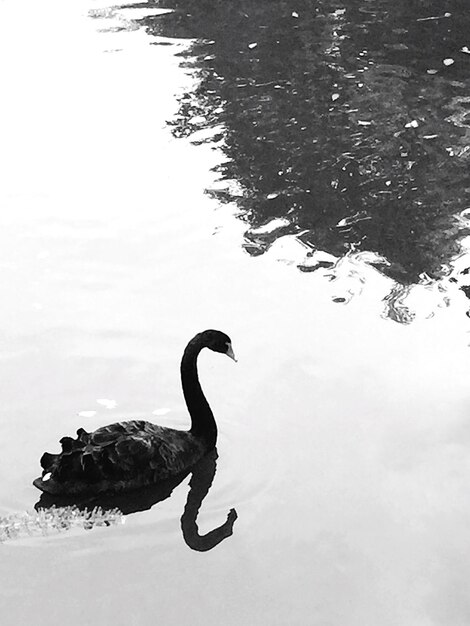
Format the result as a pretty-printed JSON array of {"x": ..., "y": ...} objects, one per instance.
[
  {"x": 202, "y": 476},
  {"x": 348, "y": 122}
]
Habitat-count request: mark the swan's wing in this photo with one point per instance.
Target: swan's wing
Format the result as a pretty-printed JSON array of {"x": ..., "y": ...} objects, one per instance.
[{"x": 122, "y": 453}]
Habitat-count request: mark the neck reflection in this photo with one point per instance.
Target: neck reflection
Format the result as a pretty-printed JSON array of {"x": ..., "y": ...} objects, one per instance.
[{"x": 199, "y": 485}]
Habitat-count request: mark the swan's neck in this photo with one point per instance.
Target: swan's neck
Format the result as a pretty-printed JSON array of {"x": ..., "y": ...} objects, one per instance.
[{"x": 202, "y": 420}]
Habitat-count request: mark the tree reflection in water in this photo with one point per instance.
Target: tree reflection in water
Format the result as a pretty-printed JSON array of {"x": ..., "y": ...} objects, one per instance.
[
  {"x": 345, "y": 126},
  {"x": 202, "y": 476}
]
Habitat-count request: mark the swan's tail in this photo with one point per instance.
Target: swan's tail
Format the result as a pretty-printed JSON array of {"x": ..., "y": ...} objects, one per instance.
[{"x": 73, "y": 463}]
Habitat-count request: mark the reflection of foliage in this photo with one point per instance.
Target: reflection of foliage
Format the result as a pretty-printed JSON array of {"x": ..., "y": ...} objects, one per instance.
[
  {"x": 343, "y": 121},
  {"x": 55, "y": 520},
  {"x": 396, "y": 309}
]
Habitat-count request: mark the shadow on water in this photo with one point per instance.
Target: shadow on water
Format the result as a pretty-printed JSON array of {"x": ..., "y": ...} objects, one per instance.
[
  {"x": 344, "y": 125},
  {"x": 202, "y": 477}
]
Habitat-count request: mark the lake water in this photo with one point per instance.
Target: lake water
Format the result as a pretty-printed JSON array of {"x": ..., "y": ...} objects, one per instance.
[{"x": 296, "y": 175}]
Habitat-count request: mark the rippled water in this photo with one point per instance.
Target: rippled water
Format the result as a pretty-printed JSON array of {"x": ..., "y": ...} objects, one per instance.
[
  {"x": 343, "y": 126},
  {"x": 343, "y": 434}
]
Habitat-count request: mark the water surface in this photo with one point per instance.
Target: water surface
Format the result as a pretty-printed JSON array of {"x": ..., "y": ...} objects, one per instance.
[
  {"x": 344, "y": 126},
  {"x": 344, "y": 436}
]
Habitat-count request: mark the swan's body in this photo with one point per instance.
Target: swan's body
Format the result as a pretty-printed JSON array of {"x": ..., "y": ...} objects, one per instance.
[
  {"x": 124, "y": 455},
  {"x": 127, "y": 455}
]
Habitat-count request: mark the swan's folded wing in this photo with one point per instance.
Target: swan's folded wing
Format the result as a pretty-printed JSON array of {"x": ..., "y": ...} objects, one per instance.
[{"x": 164, "y": 451}]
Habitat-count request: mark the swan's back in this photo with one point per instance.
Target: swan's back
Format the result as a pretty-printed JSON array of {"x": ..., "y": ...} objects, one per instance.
[{"x": 124, "y": 455}]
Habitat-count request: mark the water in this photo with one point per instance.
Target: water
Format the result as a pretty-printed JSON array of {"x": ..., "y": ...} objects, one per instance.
[
  {"x": 344, "y": 426},
  {"x": 345, "y": 126}
]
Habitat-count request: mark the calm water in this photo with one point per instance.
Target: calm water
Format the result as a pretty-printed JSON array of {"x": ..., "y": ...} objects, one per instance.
[{"x": 331, "y": 247}]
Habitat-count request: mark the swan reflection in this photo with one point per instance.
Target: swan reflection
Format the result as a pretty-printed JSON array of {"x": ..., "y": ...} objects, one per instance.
[{"x": 202, "y": 477}]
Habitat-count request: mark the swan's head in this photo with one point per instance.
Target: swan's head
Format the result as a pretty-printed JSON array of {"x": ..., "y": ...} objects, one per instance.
[{"x": 219, "y": 342}]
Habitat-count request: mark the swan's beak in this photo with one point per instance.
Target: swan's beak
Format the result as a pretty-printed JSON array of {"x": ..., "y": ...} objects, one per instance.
[{"x": 230, "y": 352}]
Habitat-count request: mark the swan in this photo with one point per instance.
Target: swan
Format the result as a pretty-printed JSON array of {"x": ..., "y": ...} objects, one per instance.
[{"x": 127, "y": 455}]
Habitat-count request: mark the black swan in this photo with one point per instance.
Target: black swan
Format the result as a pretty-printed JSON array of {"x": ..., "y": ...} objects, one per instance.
[{"x": 128, "y": 455}]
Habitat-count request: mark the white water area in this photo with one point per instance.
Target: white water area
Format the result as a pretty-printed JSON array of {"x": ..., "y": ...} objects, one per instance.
[{"x": 344, "y": 437}]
